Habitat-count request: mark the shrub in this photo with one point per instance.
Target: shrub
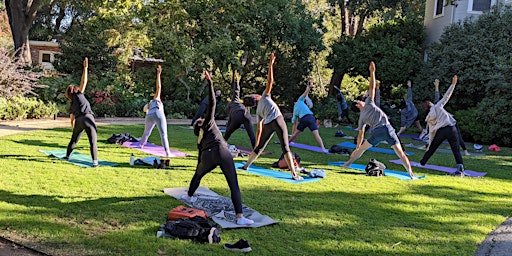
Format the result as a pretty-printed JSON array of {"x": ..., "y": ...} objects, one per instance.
[
  {"x": 14, "y": 78},
  {"x": 18, "y": 108}
]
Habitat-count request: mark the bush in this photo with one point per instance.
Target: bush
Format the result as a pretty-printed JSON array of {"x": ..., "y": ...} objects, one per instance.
[{"x": 18, "y": 108}]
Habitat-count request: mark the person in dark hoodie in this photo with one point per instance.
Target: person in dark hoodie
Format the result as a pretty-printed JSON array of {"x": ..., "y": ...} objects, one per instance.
[
  {"x": 213, "y": 152},
  {"x": 81, "y": 117},
  {"x": 237, "y": 113}
]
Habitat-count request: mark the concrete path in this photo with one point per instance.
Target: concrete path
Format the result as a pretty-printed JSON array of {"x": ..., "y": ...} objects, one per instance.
[{"x": 497, "y": 243}]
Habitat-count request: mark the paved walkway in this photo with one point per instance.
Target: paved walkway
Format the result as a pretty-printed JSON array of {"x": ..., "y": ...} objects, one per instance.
[{"x": 497, "y": 243}]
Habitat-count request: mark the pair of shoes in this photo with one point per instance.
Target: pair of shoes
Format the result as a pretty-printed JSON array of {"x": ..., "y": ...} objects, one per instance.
[
  {"x": 188, "y": 199},
  {"x": 213, "y": 237},
  {"x": 244, "y": 221},
  {"x": 241, "y": 246},
  {"x": 459, "y": 172},
  {"x": 297, "y": 177}
]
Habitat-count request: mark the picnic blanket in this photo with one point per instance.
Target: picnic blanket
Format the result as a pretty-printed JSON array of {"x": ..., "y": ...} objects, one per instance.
[
  {"x": 387, "y": 172},
  {"x": 75, "y": 158},
  {"x": 373, "y": 149},
  {"x": 284, "y": 176},
  {"x": 308, "y": 147},
  {"x": 449, "y": 170},
  {"x": 153, "y": 149},
  {"x": 220, "y": 208}
]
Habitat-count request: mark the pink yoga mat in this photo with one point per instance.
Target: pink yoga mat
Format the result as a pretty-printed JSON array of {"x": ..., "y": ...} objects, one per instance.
[
  {"x": 153, "y": 149},
  {"x": 441, "y": 168}
]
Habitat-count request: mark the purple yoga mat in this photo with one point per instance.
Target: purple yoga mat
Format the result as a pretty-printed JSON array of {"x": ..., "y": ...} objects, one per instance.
[
  {"x": 307, "y": 147},
  {"x": 441, "y": 168},
  {"x": 153, "y": 149}
]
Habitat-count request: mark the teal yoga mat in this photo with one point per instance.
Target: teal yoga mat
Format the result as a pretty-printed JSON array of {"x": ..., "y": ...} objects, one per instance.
[
  {"x": 284, "y": 176},
  {"x": 373, "y": 149},
  {"x": 387, "y": 172},
  {"x": 76, "y": 158}
]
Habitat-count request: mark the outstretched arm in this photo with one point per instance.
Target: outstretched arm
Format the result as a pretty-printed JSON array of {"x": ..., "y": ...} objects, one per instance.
[
  {"x": 158, "y": 83},
  {"x": 270, "y": 78},
  {"x": 308, "y": 87},
  {"x": 436, "y": 95},
  {"x": 211, "y": 97},
  {"x": 371, "y": 90},
  {"x": 235, "y": 87},
  {"x": 377, "y": 94},
  {"x": 83, "y": 83},
  {"x": 449, "y": 92}
]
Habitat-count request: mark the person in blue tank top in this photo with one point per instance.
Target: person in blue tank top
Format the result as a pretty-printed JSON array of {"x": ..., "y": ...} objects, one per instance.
[{"x": 155, "y": 116}]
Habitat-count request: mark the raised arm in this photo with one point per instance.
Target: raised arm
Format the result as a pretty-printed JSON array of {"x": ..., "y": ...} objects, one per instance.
[
  {"x": 371, "y": 90},
  {"x": 270, "y": 78},
  {"x": 409, "y": 91},
  {"x": 210, "y": 113},
  {"x": 158, "y": 83},
  {"x": 83, "y": 82},
  {"x": 449, "y": 92},
  {"x": 235, "y": 87},
  {"x": 377, "y": 94},
  {"x": 308, "y": 87},
  {"x": 436, "y": 94}
]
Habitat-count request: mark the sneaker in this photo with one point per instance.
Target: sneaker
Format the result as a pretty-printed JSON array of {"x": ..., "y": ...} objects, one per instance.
[
  {"x": 423, "y": 134},
  {"x": 244, "y": 221},
  {"x": 188, "y": 199},
  {"x": 297, "y": 177},
  {"x": 213, "y": 237},
  {"x": 458, "y": 174},
  {"x": 326, "y": 151},
  {"x": 241, "y": 246}
]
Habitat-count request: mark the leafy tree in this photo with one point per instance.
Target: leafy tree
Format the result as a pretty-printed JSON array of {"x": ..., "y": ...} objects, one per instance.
[
  {"x": 478, "y": 51},
  {"x": 21, "y": 14},
  {"x": 14, "y": 80}
]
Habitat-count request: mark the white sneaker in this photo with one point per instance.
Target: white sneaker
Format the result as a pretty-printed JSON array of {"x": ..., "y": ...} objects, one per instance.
[
  {"x": 188, "y": 199},
  {"x": 244, "y": 221}
]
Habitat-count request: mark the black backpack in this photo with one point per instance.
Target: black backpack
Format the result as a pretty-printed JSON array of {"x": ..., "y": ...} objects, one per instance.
[
  {"x": 337, "y": 149},
  {"x": 121, "y": 138},
  {"x": 196, "y": 228},
  {"x": 375, "y": 168}
]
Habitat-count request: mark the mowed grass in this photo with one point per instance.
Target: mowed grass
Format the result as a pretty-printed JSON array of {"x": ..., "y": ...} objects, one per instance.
[{"x": 62, "y": 209}]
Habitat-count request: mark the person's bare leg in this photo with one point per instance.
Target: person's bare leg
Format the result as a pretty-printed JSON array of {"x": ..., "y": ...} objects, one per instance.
[
  {"x": 405, "y": 160},
  {"x": 418, "y": 125},
  {"x": 288, "y": 157},
  {"x": 357, "y": 153},
  {"x": 402, "y": 129},
  {"x": 252, "y": 157},
  {"x": 319, "y": 139},
  {"x": 294, "y": 136}
]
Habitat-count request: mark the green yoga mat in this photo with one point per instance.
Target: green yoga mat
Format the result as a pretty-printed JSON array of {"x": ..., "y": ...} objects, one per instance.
[{"x": 76, "y": 158}]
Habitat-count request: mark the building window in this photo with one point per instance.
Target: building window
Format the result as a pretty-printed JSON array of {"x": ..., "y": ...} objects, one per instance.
[
  {"x": 439, "y": 8},
  {"x": 46, "y": 57},
  {"x": 479, "y": 5}
]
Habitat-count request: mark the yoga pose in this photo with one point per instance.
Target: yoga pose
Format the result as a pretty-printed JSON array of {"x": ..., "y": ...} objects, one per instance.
[
  {"x": 459, "y": 135},
  {"x": 155, "y": 116},
  {"x": 202, "y": 107},
  {"x": 81, "y": 117},
  {"x": 381, "y": 129},
  {"x": 442, "y": 126},
  {"x": 213, "y": 152},
  {"x": 270, "y": 121},
  {"x": 342, "y": 107},
  {"x": 237, "y": 114},
  {"x": 409, "y": 113},
  {"x": 303, "y": 117}
]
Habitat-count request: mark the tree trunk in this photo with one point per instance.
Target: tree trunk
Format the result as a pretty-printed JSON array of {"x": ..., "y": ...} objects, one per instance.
[
  {"x": 335, "y": 81},
  {"x": 21, "y": 14}
]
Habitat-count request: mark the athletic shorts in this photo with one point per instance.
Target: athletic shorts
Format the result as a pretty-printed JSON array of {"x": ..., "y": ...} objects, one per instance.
[
  {"x": 383, "y": 133},
  {"x": 307, "y": 121}
]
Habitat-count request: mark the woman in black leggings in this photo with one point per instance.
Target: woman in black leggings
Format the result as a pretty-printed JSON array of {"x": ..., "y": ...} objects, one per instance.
[
  {"x": 237, "y": 114},
  {"x": 82, "y": 117},
  {"x": 213, "y": 152},
  {"x": 271, "y": 122}
]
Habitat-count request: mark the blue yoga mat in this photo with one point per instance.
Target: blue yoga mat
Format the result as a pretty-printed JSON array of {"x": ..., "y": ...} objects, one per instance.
[
  {"x": 284, "y": 176},
  {"x": 308, "y": 147},
  {"x": 374, "y": 149},
  {"x": 387, "y": 172},
  {"x": 76, "y": 158}
]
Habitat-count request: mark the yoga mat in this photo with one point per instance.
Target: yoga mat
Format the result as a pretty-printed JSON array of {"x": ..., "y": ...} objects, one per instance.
[
  {"x": 387, "y": 172},
  {"x": 220, "y": 208},
  {"x": 284, "y": 175},
  {"x": 409, "y": 135},
  {"x": 76, "y": 158},
  {"x": 308, "y": 147},
  {"x": 153, "y": 149},
  {"x": 350, "y": 128},
  {"x": 190, "y": 128},
  {"x": 442, "y": 168},
  {"x": 248, "y": 151},
  {"x": 444, "y": 150},
  {"x": 374, "y": 149}
]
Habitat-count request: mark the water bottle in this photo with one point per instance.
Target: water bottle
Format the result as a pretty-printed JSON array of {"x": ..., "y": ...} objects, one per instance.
[{"x": 132, "y": 160}]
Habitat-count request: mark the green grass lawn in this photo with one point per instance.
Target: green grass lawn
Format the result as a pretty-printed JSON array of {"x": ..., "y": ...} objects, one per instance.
[{"x": 63, "y": 209}]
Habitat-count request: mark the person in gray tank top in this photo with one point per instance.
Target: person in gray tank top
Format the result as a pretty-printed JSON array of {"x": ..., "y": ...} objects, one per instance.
[{"x": 380, "y": 128}]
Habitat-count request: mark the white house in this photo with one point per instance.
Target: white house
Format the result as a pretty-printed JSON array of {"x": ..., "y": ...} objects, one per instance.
[
  {"x": 43, "y": 53},
  {"x": 442, "y": 13}
]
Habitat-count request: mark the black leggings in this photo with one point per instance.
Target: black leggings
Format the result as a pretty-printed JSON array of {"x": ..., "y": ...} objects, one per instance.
[
  {"x": 446, "y": 133},
  {"x": 85, "y": 122},
  {"x": 461, "y": 141},
  {"x": 278, "y": 126},
  {"x": 235, "y": 121},
  {"x": 209, "y": 160}
]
